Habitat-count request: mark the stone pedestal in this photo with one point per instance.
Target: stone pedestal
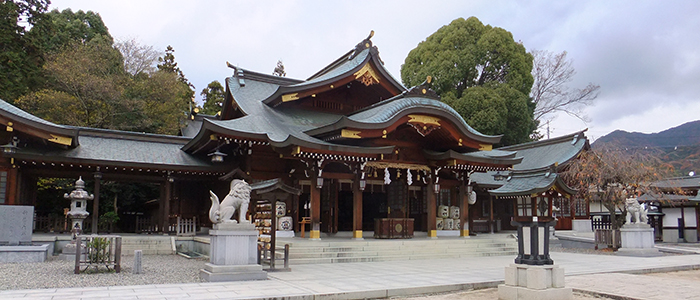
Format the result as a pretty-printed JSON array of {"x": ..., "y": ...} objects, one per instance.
[
  {"x": 534, "y": 282},
  {"x": 233, "y": 254},
  {"x": 637, "y": 240}
]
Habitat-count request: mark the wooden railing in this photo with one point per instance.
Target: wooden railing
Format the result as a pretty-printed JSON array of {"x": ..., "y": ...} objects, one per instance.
[
  {"x": 609, "y": 237},
  {"x": 95, "y": 251},
  {"x": 186, "y": 227}
]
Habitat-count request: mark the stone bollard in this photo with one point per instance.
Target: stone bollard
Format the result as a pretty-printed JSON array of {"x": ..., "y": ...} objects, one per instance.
[{"x": 138, "y": 268}]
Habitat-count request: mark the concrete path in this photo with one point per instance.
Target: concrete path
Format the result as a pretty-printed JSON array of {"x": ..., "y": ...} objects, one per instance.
[{"x": 386, "y": 279}]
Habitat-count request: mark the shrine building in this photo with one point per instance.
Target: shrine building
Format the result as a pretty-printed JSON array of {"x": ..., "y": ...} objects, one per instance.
[{"x": 364, "y": 153}]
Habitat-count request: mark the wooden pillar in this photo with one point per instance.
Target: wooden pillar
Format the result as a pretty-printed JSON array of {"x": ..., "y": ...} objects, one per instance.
[
  {"x": 491, "y": 222},
  {"x": 432, "y": 209},
  {"x": 356, "y": 209},
  {"x": 464, "y": 210},
  {"x": 12, "y": 186},
  {"x": 165, "y": 207},
  {"x": 96, "y": 202},
  {"x": 295, "y": 212},
  {"x": 315, "y": 203}
]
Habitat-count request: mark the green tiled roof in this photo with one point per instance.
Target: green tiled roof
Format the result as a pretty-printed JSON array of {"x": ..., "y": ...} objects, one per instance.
[
  {"x": 545, "y": 153},
  {"x": 527, "y": 183}
]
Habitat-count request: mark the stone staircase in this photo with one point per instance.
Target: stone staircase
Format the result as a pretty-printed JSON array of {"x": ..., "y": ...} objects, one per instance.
[
  {"x": 149, "y": 244},
  {"x": 371, "y": 250}
]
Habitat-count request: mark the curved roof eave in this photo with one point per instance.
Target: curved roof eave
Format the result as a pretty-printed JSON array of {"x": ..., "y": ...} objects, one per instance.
[
  {"x": 317, "y": 82},
  {"x": 510, "y": 187},
  {"x": 209, "y": 127},
  {"x": 505, "y": 158},
  {"x": 438, "y": 110},
  {"x": 12, "y": 112}
]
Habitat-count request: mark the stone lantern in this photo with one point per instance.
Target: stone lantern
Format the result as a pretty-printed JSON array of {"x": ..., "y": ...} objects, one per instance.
[
  {"x": 78, "y": 206},
  {"x": 78, "y": 213}
]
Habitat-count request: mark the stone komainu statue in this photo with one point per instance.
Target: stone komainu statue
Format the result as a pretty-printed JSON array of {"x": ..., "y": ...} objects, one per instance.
[
  {"x": 238, "y": 199},
  {"x": 634, "y": 209}
]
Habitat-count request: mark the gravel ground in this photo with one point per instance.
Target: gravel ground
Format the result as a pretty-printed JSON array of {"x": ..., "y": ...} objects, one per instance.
[
  {"x": 485, "y": 294},
  {"x": 55, "y": 273}
]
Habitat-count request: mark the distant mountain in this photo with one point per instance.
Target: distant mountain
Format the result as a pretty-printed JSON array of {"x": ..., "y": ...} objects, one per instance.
[{"x": 679, "y": 146}]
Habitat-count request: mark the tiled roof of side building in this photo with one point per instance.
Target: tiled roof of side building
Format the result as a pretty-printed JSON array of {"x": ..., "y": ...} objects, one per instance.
[
  {"x": 548, "y": 152},
  {"x": 685, "y": 182},
  {"x": 124, "y": 149},
  {"x": 527, "y": 183},
  {"x": 11, "y": 112}
]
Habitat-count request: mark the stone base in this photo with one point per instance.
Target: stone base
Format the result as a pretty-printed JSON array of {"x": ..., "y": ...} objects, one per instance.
[
  {"x": 285, "y": 234},
  {"x": 648, "y": 252},
  {"x": 214, "y": 273},
  {"x": 233, "y": 254},
  {"x": 637, "y": 240},
  {"x": 506, "y": 292},
  {"x": 447, "y": 232},
  {"x": 534, "y": 282},
  {"x": 24, "y": 254},
  {"x": 233, "y": 244}
]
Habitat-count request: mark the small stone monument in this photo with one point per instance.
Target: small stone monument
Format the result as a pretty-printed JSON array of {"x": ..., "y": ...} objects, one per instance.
[
  {"x": 78, "y": 212},
  {"x": 16, "y": 236},
  {"x": 233, "y": 244},
  {"x": 534, "y": 275},
  {"x": 636, "y": 235}
]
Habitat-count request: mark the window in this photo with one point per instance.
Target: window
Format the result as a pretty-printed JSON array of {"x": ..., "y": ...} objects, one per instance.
[
  {"x": 564, "y": 205},
  {"x": 523, "y": 206}
]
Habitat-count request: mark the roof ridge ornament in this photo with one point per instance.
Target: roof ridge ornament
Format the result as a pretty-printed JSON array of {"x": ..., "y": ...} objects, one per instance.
[
  {"x": 423, "y": 90},
  {"x": 364, "y": 44}
]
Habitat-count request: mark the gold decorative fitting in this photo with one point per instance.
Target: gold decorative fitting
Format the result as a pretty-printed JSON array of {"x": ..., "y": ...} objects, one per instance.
[
  {"x": 296, "y": 150},
  {"x": 367, "y": 45},
  {"x": 350, "y": 134},
  {"x": 429, "y": 79},
  {"x": 384, "y": 134},
  {"x": 366, "y": 75},
  {"x": 423, "y": 119},
  {"x": 196, "y": 110},
  {"x": 424, "y": 91},
  {"x": 290, "y": 97},
  {"x": 313, "y": 95},
  {"x": 332, "y": 86},
  {"x": 9, "y": 126},
  {"x": 61, "y": 140},
  {"x": 485, "y": 147},
  {"x": 213, "y": 137},
  {"x": 460, "y": 143}
]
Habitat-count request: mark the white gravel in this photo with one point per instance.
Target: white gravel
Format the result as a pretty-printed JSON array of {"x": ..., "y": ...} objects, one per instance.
[{"x": 55, "y": 273}]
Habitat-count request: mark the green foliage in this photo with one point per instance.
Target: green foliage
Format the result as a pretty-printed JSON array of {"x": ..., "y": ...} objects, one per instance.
[
  {"x": 481, "y": 72},
  {"x": 108, "y": 218},
  {"x": 84, "y": 88},
  {"x": 213, "y": 96},
  {"x": 97, "y": 251},
  {"x": 20, "y": 57},
  {"x": 50, "y": 200},
  {"x": 57, "y": 30}
]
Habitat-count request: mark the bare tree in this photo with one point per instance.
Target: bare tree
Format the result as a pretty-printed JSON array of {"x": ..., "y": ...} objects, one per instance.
[
  {"x": 550, "y": 93},
  {"x": 612, "y": 175},
  {"x": 138, "y": 58}
]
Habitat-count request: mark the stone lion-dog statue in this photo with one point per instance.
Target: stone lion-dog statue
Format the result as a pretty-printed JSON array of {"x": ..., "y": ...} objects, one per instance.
[
  {"x": 634, "y": 209},
  {"x": 237, "y": 199}
]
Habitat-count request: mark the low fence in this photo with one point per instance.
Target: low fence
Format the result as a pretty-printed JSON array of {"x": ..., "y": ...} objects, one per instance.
[
  {"x": 95, "y": 251},
  {"x": 186, "y": 227},
  {"x": 609, "y": 237}
]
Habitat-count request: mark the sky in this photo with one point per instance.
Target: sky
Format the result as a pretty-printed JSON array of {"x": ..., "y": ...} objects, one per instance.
[{"x": 645, "y": 55}]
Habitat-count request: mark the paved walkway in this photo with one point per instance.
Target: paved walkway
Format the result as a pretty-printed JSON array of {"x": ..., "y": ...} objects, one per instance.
[{"x": 386, "y": 279}]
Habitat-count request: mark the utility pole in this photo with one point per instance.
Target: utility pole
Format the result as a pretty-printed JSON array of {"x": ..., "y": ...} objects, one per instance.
[{"x": 548, "y": 128}]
